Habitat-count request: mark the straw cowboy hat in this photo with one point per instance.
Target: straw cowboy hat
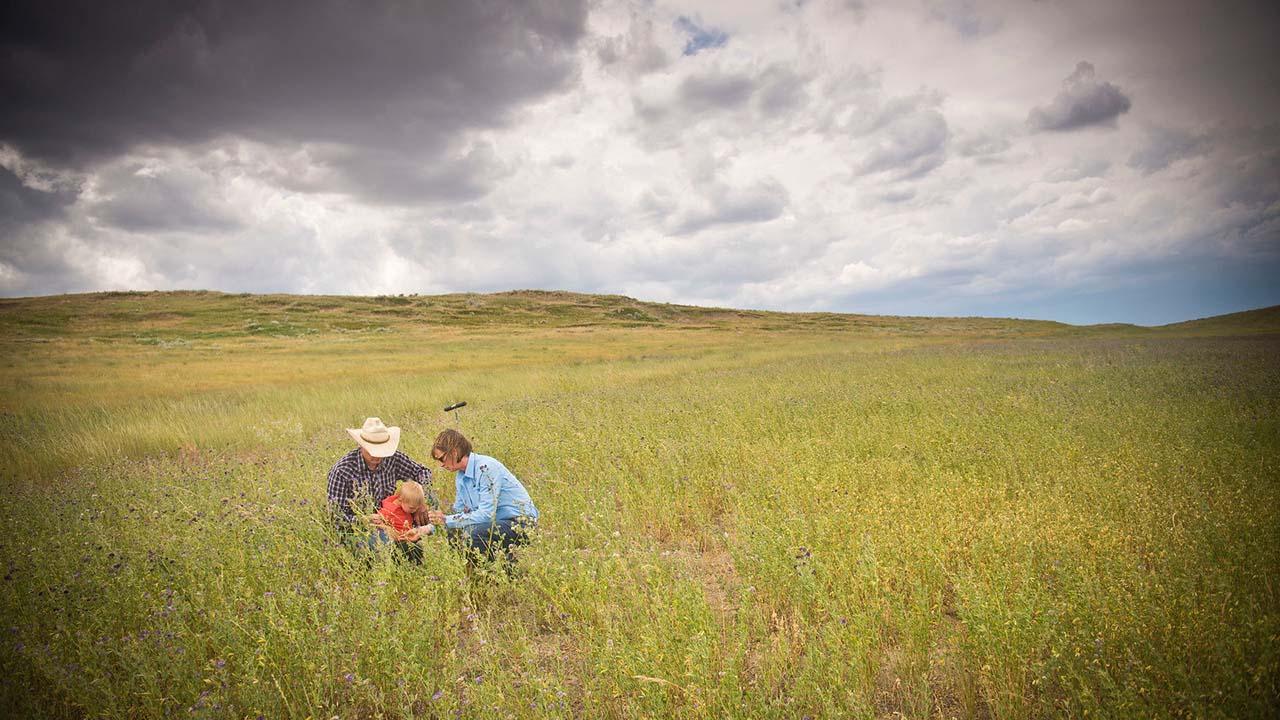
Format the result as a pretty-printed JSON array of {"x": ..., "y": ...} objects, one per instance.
[{"x": 378, "y": 439}]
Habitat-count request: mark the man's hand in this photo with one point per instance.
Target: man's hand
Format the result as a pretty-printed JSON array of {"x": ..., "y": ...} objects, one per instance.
[{"x": 435, "y": 517}]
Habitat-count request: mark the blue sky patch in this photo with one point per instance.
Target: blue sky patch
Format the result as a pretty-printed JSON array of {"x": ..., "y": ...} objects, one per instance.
[{"x": 700, "y": 38}]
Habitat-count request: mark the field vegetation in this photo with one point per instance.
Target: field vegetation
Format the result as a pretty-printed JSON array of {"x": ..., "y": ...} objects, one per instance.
[{"x": 744, "y": 514}]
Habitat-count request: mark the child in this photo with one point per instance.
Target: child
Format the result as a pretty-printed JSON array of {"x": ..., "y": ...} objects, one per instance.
[{"x": 395, "y": 517}]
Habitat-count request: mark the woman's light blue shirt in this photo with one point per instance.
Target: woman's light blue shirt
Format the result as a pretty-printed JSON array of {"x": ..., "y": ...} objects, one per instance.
[{"x": 487, "y": 492}]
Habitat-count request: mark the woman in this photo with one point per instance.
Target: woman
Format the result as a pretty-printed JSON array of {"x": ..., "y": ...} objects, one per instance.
[{"x": 491, "y": 510}]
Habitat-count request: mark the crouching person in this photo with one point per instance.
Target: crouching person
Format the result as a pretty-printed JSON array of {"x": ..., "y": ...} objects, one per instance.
[
  {"x": 366, "y": 477},
  {"x": 492, "y": 511}
]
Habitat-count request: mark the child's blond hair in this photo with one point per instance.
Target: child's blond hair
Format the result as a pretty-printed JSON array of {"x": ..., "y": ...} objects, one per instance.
[{"x": 410, "y": 491}]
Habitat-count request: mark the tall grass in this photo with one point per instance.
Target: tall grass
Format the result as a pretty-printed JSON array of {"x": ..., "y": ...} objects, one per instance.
[{"x": 752, "y": 525}]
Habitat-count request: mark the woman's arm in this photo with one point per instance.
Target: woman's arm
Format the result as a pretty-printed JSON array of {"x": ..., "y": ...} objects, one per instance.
[{"x": 486, "y": 503}]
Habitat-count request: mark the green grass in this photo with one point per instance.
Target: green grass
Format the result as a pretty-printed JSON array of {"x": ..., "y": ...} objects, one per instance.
[{"x": 745, "y": 514}]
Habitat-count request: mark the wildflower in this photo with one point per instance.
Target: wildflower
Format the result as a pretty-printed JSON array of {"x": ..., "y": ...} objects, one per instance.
[
  {"x": 349, "y": 678},
  {"x": 437, "y": 695}
]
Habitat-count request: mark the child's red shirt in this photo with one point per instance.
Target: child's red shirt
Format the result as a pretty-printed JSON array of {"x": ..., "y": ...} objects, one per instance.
[{"x": 396, "y": 517}]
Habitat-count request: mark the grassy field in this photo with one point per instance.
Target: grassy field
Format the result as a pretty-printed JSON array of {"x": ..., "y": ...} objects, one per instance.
[{"x": 744, "y": 514}]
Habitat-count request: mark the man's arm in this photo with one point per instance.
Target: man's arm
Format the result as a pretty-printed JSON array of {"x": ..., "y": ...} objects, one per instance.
[
  {"x": 340, "y": 491},
  {"x": 422, "y": 474}
]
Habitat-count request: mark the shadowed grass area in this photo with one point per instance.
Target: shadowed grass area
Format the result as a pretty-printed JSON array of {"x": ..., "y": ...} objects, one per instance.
[{"x": 744, "y": 514}]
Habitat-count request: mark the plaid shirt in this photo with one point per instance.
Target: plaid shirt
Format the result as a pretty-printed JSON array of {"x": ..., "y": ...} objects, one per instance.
[{"x": 351, "y": 482}]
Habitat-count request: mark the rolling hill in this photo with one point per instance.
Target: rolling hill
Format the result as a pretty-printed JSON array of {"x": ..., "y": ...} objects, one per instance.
[{"x": 207, "y": 315}]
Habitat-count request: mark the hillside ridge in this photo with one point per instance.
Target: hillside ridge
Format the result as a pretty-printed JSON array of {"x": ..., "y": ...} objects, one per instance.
[{"x": 161, "y": 316}]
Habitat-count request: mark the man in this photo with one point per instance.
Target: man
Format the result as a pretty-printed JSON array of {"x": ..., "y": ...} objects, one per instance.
[
  {"x": 492, "y": 509},
  {"x": 368, "y": 475}
]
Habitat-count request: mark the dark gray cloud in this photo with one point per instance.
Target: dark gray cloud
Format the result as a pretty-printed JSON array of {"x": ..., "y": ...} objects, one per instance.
[
  {"x": 760, "y": 202},
  {"x": 1249, "y": 174},
  {"x": 909, "y": 145},
  {"x": 21, "y": 204},
  {"x": 782, "y": 90},
  {"x": 716, "y": 91},
  {"x": 754, "y": 102},
  {"x": 31, "y": 265},
  {"x": 762, "y": 97},
  {"x": 964, "y": 17},
  {"x": 1166, "y": 146},
  {"x": 28, "y": 260},
  {"x": 897, "y": 195},
  {"x": 87, "y": 80},
  {"x": 387, "y": 176},
  {"x": 1083, "y": 102}
]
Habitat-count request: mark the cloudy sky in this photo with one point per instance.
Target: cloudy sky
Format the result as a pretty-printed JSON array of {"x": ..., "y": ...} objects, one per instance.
[{"x": 1077, "y": 160}]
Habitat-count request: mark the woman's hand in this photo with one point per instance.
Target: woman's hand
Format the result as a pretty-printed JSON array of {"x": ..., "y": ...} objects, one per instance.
[{"x": 436, "y": 517}]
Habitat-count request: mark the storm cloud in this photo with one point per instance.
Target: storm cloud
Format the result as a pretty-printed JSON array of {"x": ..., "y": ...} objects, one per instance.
[
  {"x": 1084, "y": 101},
  {"x": 87, "y": 81},
  {"x": 1164, "y": 146},
  {"x": 21, "y": 204}
]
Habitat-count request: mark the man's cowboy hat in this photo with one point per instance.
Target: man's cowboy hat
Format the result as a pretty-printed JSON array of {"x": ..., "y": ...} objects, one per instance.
[{"x": 378, "y": 439}]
